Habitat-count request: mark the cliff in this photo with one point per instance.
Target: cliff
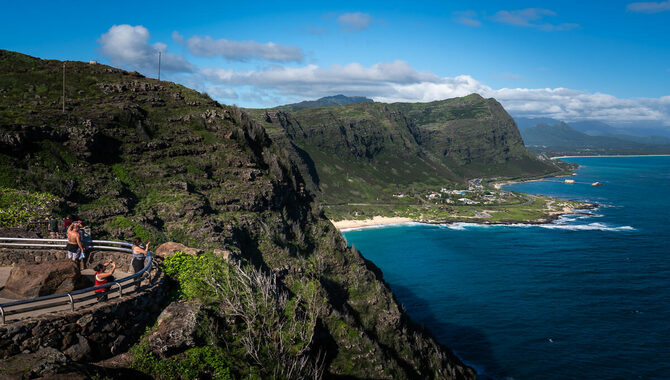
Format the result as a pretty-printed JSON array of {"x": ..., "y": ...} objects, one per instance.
[
  {"x": 369, "y": 151},
  {"x": 137, "y": 157}
]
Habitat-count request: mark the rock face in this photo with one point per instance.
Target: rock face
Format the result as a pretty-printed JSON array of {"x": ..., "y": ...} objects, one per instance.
[
  {"x": 348, "y": 153},
  {"x": 176, "y": 329},
  {"x": 34, "y": 280},
  {"x": 168, "y": 249}
]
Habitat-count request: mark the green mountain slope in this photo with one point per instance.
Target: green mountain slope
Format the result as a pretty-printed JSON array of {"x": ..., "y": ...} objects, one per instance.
[
  {"x": 369, "y": 151},
  {"x": 561, "y": 138},
  {"x": 326, "y": 101},
  {"x": 138, "y": 157}
]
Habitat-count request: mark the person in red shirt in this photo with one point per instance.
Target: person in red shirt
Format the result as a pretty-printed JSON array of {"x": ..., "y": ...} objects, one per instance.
[
  {"x": 67, "y": 221},
  {"x": 102, "y": 277}
]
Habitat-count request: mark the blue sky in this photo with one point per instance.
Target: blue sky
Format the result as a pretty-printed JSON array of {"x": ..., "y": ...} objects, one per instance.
[{"x": 604, "y": 60}]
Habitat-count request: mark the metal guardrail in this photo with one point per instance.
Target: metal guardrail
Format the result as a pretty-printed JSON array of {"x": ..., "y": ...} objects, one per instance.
[{"x": 68, "y": 297}]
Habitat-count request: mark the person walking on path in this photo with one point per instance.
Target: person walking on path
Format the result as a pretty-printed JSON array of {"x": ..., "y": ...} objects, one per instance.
[
  {"x": 139, "y": 256},
  {"x": 101, "y": 277},
  {"x": 75, "y": 250},
  {"x": 52, "y": 227}
]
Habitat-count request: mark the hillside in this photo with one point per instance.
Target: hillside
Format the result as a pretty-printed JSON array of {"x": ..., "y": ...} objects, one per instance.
[
  {"x": 369, "y": 151},
  {"x": 326, "y": 101},
  {"x": 138, "y": 157},
  {"x": 561, "y": 139}
]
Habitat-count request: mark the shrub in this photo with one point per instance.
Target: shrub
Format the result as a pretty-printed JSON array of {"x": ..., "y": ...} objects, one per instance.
[{"x": 268, "y": 331}]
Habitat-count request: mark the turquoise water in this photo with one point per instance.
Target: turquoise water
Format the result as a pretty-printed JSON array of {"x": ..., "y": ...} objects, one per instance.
[{"x": 586, "y": 297}]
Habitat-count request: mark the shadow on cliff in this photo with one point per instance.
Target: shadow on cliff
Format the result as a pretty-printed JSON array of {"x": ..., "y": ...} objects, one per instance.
[{"x": 468, "y": 343}]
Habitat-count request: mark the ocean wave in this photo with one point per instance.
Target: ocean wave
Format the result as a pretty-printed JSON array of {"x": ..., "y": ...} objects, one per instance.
[
  {"x": 558, "y": 225},
  {"x": 586, "y": 227}
]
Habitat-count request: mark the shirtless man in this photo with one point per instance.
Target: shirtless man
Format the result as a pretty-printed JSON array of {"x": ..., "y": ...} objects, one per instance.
[{"x": 75, "y": 250}]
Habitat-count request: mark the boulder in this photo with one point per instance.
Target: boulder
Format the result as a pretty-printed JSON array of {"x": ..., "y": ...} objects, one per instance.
[
  {"x": 168, "y": 249},
  {"x": 34, "y": 280},
  {"x": 79, "y": 351},
  {"x": 176, "y": 329}
]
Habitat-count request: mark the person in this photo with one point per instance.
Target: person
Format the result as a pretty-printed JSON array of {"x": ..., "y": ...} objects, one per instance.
[
  {"x": 67, "y": 222},
  {"x": 101, "y": 277},
  {"x": 75, "y": 250},
  {"x": 53, "y": 227},
  {"x": 139, "y": 256}
]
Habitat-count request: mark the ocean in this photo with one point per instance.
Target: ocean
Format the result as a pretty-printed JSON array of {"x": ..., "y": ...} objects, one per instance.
[{"x": 585, "y": 297}]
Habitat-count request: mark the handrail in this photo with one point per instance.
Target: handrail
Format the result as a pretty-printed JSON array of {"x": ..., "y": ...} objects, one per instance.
[{"x": 4, "y": 242}]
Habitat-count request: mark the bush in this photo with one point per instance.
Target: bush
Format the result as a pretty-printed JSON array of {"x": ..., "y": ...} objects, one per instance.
[
  {"x": 194, "y": 363},
  {"x": 18, "y": 207},
  {"x": 269, "y": 333}
]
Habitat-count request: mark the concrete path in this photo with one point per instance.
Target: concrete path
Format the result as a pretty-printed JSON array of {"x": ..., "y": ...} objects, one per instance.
[{"x": 78, "y": 300}]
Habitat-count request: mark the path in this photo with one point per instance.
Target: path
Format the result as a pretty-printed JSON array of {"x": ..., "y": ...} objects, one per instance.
[{"x": 113, "y": 294}]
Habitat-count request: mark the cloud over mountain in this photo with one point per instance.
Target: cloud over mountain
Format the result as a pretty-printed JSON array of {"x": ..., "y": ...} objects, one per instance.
[
  {"x": 128, "y": 45},
  {"x": 395, "y": 81}
]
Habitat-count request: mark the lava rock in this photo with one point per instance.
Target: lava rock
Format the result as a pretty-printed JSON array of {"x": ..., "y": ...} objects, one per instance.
[{"x": 34, "y": 280}]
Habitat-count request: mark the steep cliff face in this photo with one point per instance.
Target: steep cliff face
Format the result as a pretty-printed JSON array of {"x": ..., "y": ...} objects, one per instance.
[
  {"x": 361, "y": 151},
  {"x": 138, "y": 157}
]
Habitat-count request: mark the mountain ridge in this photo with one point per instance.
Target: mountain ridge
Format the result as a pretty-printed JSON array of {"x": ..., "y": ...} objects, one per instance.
[
  {"x": 369, "y": 151},
  {"x": 134, "y": 156}
]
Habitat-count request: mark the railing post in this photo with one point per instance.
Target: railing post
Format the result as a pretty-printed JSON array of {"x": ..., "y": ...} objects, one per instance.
[
  {"x": 71, "y": 302},
  {"x": 120, "y": 289},
  {"x": 2, "y": 312}
]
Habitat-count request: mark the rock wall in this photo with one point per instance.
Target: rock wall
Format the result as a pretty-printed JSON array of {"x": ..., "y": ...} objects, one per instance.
[{"x": 93, "y": 333}]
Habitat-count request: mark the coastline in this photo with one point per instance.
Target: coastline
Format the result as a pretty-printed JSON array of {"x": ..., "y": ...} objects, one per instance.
[
  {"x": 381, "y": 221},
  {"x": 374, "y": 222}
]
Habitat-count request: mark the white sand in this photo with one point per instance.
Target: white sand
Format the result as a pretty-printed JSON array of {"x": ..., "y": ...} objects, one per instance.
[{"x": 375, "y": 221}]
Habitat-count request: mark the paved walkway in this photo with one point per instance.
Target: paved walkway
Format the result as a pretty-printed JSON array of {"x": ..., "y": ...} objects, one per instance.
[{"x": 79, "y": 300}]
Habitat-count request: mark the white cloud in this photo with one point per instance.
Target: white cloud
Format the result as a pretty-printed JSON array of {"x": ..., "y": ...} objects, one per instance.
[
  {"x": 221, "y": 92},
  {"x": 243, "y": 50},
  {"x": 649, "y": 7},
  {"x": 395, "y": 81},
  {"x": 178, "y": 38},
  {"x": 468, "y": 18},
  {"x": 399, "y": 82},
  {"x": 354, "y": 22},
  {"x": 127, "y": 45},
  {"x": 531, "y": 18}
]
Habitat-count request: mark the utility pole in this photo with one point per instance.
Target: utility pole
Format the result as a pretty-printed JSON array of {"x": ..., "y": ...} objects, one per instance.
[
  {"x": 63, "y": 87},
  {"x": 159, "y": 65}
]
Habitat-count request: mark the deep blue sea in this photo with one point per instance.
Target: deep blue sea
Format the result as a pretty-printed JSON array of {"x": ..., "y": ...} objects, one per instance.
[{"x": 586, "y": 297}]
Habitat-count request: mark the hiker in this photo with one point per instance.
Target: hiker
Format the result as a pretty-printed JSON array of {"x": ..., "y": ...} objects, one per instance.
[
  {"x": 67, "y": 222},
  {"x": 101, "y": 277},
  {"x": 75, "y": 250},
  {"x": 139, "y": 256},
  {"x": 52, "y": 226}
]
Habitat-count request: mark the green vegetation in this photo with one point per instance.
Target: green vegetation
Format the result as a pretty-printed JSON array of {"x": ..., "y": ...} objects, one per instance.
[
  {"x": 17, "y": 208},
  {"x": 193, "y": 364},
  {"x": 134, "y": 156},
  {"x": 367, "y": 152},
  {"x": 265, "y": 325}
]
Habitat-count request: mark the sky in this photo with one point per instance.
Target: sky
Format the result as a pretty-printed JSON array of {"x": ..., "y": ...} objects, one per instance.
[{"x": 588, "y": 60}]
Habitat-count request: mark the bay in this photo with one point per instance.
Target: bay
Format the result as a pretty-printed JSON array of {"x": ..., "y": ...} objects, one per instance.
[{"x": 587, "y": 296}]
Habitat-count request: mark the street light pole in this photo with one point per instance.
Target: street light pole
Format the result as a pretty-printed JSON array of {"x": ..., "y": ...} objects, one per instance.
[{"x": 63, "y": 87}]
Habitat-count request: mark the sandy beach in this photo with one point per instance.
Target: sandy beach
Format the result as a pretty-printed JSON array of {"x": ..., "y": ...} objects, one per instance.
[{"x": 375, "y": 221}]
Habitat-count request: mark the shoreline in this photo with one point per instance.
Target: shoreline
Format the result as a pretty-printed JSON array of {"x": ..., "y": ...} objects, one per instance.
[
  {"x": 376, "y": 221},
  {"x": 382, "y": 221}
]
